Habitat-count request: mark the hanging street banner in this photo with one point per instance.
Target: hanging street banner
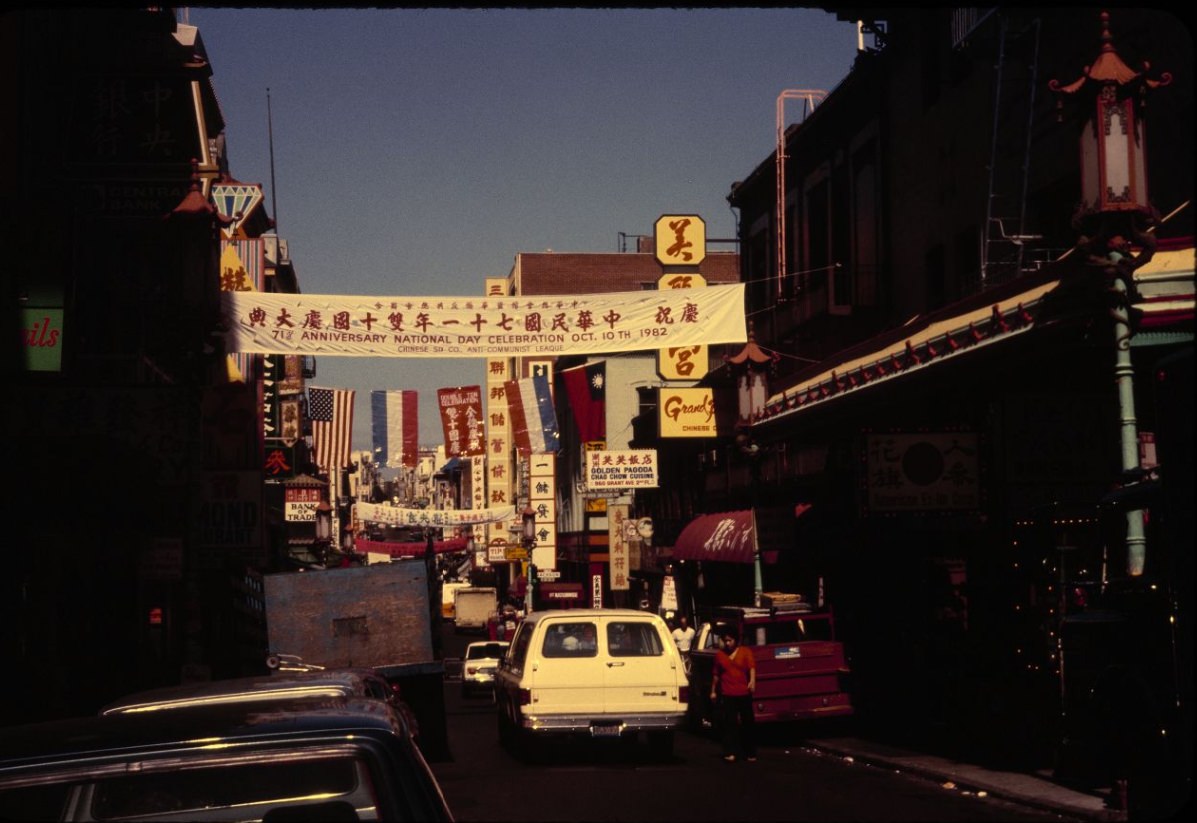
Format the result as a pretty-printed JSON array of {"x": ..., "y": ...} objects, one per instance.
[
  {"x": 490, "y": 326},
  {"x": 430, "y": 518}
]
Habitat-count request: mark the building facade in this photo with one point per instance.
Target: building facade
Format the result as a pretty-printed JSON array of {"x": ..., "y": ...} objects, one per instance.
[{"x": 974, "y": 438}]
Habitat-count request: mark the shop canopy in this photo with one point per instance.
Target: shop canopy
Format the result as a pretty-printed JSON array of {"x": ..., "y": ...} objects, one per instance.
[
  {"x": 725, "y": 536},
  {"x": 734, "y": 537}
]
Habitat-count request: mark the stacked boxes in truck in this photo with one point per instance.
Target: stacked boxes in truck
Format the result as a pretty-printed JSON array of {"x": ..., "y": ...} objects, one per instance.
[
  {"x": 377, "y": 617},
  {"x": 801, "y": 669},
  {"x": 474, "y": 607}
]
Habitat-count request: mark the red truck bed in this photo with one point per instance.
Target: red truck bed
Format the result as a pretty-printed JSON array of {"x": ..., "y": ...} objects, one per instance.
[{"x": 801, "y": 668}]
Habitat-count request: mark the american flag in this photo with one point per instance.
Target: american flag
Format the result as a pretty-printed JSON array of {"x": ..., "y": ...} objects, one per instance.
[{"x": 331, "y": 411}]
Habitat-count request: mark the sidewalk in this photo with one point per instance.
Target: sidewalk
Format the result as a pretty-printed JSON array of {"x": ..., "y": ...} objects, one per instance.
[{"x": 1032, "y": 790}]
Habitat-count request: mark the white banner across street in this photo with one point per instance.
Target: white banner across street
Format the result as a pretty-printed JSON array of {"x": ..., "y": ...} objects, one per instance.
[
  {"x": 551, "y": 325},
  {"x": 430, "y": 518}
]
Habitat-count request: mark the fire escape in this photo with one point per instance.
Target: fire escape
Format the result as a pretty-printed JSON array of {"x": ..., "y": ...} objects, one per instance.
[{"x": 1009, "y": 246}]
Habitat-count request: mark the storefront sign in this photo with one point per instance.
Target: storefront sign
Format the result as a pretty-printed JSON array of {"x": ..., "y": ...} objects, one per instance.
[
  {"x": 687, "y": 412},
  {"x": 626, "y": 469},
  {"x": 300, "y": 504},
  {"x": 925, "y": 471}
]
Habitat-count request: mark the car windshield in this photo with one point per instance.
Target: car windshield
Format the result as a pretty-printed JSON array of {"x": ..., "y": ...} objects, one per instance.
[{"x": 177, "y": 792}]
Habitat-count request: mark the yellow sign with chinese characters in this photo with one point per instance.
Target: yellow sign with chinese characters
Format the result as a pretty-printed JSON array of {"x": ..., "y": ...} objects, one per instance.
[{"x": 680, "y": 239}]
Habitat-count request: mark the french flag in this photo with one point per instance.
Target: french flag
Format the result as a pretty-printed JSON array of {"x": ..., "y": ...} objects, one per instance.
[
  {"x": 395, "y": 428},
  {"x": 533, "y": 419}
]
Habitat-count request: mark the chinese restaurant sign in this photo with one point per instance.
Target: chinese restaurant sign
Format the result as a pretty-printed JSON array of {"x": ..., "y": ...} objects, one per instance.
[
  {"x": 687, "y": 412},
  {"x": 342, "y": 325},
  {"x": 628, "y": 469}
]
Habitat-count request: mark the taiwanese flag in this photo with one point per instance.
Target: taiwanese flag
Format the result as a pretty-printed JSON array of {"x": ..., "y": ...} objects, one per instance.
[
  {"x": 533, "y": 419},
  {"x": 587, "y": 390},
  {"x": 396, "y": 428}
]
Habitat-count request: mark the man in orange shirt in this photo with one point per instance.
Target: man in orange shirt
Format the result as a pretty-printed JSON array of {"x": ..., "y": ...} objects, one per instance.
[{"x": 734, "y": 679}]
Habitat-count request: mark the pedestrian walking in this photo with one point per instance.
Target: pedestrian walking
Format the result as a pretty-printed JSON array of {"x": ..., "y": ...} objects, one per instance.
[
  {"x": 683, "y": 635},
  {"x": 732, "y": 685}
]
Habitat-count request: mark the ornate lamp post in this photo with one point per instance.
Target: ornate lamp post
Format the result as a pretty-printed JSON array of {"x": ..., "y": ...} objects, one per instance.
[{"x": 1116, "y": 221}]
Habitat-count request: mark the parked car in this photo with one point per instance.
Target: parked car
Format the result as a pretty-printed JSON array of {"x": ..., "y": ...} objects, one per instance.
[
  {"x": 282, "y": 685},
  {"x": 597, "y": 673},
  {"x": 330, "y": 758},
  {"x": 478, "y": 666}
]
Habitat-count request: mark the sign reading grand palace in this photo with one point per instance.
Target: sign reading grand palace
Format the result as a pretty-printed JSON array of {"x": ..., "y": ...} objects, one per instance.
[{"x": 332, "y": 325}]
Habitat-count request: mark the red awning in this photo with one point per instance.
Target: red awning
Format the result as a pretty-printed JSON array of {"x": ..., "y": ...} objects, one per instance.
[
  {"x": 729, "y": 537},
  {"x": 414, "y": 549}
]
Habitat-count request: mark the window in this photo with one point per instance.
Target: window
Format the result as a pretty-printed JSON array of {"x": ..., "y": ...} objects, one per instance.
[
  {"x": 177, "y": 792},
  {"x": 633, "y": 639},
  {"x": 571, "y": 640}
]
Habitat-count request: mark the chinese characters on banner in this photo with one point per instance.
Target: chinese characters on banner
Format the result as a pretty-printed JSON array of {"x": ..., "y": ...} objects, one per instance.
[
  {"x": 617, "y": 514},
  {"x": 527, "y": 326},
  {"x": 461, "y": 420}
]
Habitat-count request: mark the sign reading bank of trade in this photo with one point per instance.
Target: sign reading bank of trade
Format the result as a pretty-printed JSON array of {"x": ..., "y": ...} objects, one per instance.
[{"x": 490, "y": 326}]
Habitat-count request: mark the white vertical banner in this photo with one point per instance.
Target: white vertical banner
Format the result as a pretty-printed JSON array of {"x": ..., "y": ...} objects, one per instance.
[{"x": 542, "y": 478}]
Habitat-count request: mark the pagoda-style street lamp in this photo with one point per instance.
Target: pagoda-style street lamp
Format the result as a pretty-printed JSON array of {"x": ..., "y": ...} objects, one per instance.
[{"x": 1116, "y": 220}]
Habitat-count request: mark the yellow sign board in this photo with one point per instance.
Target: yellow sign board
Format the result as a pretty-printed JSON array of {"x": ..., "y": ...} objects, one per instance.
[
  {"x": 680, "y": 239},
  {"x": 686, "y": 412}
]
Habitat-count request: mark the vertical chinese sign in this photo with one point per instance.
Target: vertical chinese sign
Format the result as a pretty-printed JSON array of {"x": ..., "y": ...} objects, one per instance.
[
  {"x": 680, "y": 242},
  {"x": 617, "y": 547},
  {"x": 500, "y": 470},
  {"x": 460, "y": 411}
]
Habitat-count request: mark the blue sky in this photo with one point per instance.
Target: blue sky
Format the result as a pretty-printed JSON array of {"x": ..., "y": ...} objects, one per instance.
[{"x": 417, "y": 151}]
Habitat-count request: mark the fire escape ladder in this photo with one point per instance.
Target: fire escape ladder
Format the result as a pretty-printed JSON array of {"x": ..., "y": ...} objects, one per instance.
[{"x": 1005, "y": 241}]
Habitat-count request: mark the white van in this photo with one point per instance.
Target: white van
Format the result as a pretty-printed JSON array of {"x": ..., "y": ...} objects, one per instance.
[{"x": 594, "y": 673}]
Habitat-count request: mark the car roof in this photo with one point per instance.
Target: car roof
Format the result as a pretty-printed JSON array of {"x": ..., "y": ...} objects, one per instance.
[
  {"x": 327, "y": 683},
  {"x": 121, "y": 736},
  {"x": 593, "y": 614}
]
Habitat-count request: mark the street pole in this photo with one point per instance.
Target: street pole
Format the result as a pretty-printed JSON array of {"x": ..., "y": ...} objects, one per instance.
[{"x": 1124, "y": 377}]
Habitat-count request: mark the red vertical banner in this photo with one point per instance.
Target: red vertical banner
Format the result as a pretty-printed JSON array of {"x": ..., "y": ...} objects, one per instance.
[{"x": 461, "y": 420}]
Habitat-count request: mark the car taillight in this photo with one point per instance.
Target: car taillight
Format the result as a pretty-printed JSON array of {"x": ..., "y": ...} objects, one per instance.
[
  {"x": 525, "y": 697},
  {"x": 683, "y": 694},
  {"x": 471, "y": 669}
]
